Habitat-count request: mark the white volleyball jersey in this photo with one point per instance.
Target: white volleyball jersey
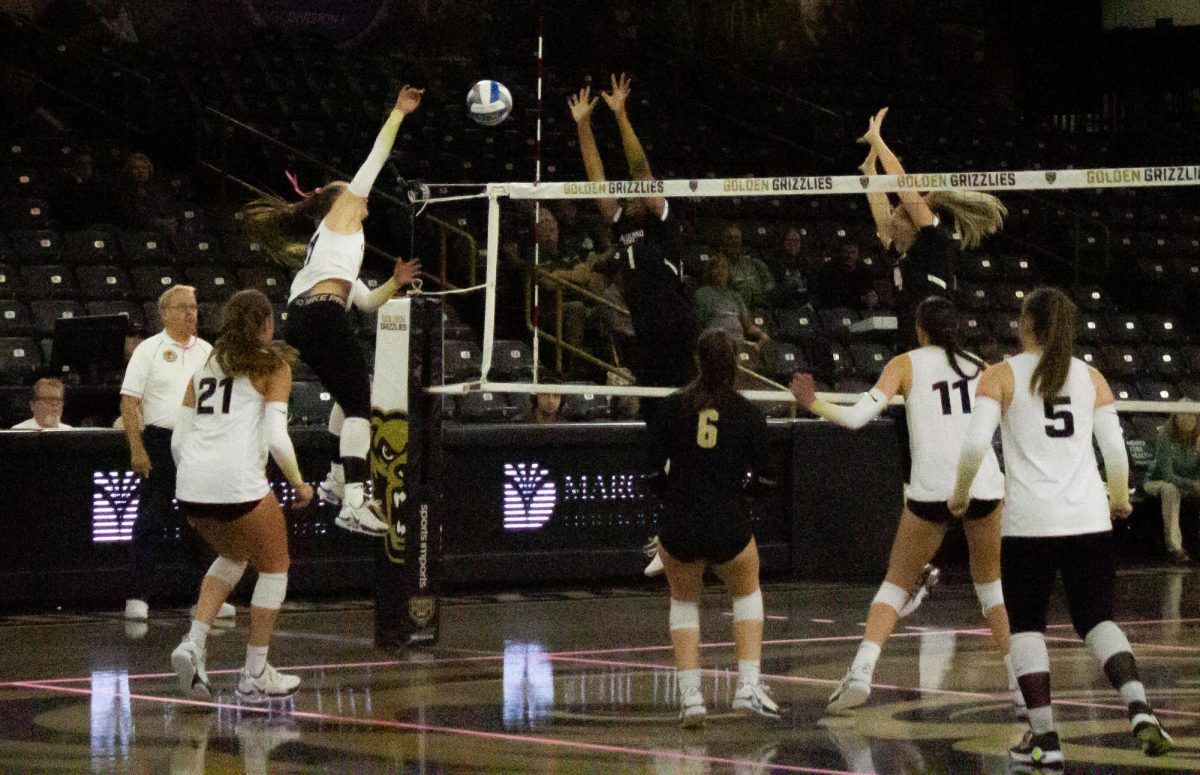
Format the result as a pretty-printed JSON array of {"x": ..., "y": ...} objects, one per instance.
[
  {"x": 938, "y": 409},
  {"x": 1053, "y": 479},
  {"x": 224, "y": 458},
  {"x": 331, "y": 256}
]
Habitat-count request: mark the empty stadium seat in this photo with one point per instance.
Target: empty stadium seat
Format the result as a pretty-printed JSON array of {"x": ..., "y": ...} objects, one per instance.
[
  {"x": 1092, "y": 328},
  {"x": 271, "y": 281},
  {"x": 869, "y": 359},
  {"x": 1163, "y": 329},
  {"x": 1155, "y": 390},
  {"x": 586, "y": 407},
  {"x": 104, "y": 283},
  {"x": 46, "y": 313},
  {"x": 1092, "y": 298},
  {"x": 488, "y": 407},
  {"x": 1124, "y": 328},
  {"x": 15, "y": 319},
  {"x": 798, "y": 326},
  {"x": 460, "y": 361},
  {"x": 200, "y": 250},
  {"x": 1164, "y": 363},
  {"x": 53, "y": 281},
  {"x": 145, "y": 248},
  {"x": 20, "y": 360},
  {"x": 980, "y": 267},
  {"x": 11, "y": 286},
  {"x": 127, "y": 308},
  {"x": 1122, "y": 362},
  {"x": 309, "y": 405},
  {"x": 90, "y": 246},
  {"x": 35, "y": 247},
  {"x": 149, "y": 282},
  {"x": 1123, "y": 391},
  {"x": 782, "y": 359},
  {"x": 212, "y": 283},
  {"x": 511, "y": 359},
  {"x": 836, "y": 322}
]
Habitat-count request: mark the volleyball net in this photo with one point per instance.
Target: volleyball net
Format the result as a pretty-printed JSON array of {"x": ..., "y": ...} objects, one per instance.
[{"x": 793, "y": 267}]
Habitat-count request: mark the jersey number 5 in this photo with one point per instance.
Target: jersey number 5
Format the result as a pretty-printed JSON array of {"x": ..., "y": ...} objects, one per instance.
[
  {"x": 208, "y": 386},
  {"x": 1064, "y": 416},
  {"x": 706, "y": 429}
]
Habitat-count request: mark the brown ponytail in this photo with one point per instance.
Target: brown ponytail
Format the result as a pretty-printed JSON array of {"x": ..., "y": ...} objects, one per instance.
[
  {"x": 718, "y": 371},
  {"x": 1050, "y": 316},
  {"x": 239, "y": 350},
  {"x": 938, "y": 318},
  {"x": 283, "y": 228}
]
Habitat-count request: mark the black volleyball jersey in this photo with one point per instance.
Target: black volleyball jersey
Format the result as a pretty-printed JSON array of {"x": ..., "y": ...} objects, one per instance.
[
  {"x": 659, "y": 303},
  {"x": 710, "y": 452}
]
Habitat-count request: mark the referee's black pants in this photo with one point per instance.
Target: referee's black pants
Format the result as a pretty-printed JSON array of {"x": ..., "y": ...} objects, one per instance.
[{"x": 158, "y": 527}]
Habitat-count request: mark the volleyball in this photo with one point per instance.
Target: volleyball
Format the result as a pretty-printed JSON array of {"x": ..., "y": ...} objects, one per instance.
[{"x": 489, "y": 102}]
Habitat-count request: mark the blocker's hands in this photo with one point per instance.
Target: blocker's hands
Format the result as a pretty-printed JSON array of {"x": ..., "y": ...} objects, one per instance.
[
  {"x": 615, "y": 99},
  {"x": 874, "y": 128},
  {"x": 581, "y": 104},
  {"x": 804, "y": 390}
]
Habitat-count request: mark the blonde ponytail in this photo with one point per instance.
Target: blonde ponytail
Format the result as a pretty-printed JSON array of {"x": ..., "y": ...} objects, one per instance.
[{"x": 976, "y": 214}]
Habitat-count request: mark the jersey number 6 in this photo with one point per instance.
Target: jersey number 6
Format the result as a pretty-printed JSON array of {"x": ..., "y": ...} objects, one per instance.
[{"x": 706, "y": 429}]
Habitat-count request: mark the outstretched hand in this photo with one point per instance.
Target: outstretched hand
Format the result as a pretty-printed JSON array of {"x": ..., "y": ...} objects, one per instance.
[
  {"x": 409, "y": 99},
  {"x": 804, "y": 389},
  {"x": 615, "y": 99},
  {"x": 581, "y": 104},
  {"x": 874, "y": 127},
  {"x": 406, "y": 271}
]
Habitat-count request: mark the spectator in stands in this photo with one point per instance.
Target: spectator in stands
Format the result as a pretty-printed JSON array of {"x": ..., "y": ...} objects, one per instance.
[
  {"x": 847, "y": 282},
  {"x": 139, "y": 202},
  {"x": 1174, "y": 476},
  {"x": 928, "y": 251},
  {"x": 155, "y": 380},
  {"x": 749, "y": 276},
  {"x": 796, "y": 274},
  {"x": 720, "y": 308},
  {"x": 80, "y": 200},
  {"x": 544, "y": 408},
  {"x": 47, "y": 406}
]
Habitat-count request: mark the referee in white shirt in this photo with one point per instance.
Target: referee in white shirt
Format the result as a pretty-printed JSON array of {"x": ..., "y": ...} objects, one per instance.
[{"x": 155, "y": 381}]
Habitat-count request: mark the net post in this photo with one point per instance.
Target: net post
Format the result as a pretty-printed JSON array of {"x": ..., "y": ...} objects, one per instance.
[{"x": 405, "y": 461}]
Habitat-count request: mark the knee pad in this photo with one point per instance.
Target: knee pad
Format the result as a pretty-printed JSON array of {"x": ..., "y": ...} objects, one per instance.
[
  {"x": 684, "y": 616},
  {"x": 1029, "y": 654},
  {"x": 990, "y": 595},
  {"x": 890, "y": 595},
  {"x": 336, "y": 418},
  {"x": 227, "y": 571},
  {"x": 1106, "y": 640},
  {"x": 355, "y": 440},
  {"x": 270, "y": 590},
  {"x": 748, "y": 608}
]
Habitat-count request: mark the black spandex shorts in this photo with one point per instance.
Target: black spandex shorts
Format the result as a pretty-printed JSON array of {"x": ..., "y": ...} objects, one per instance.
[
  {"x": 319, "y": 328},
  {"x": 221, "y": 512},
  {"x": 1029, "y": 566},
  {"x": 938, "y": 512},
  {"x": 715, "y": 540}
]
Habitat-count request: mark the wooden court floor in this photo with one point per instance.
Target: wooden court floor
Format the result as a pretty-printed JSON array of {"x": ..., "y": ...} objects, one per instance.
[{"x": 581, "y": 682}]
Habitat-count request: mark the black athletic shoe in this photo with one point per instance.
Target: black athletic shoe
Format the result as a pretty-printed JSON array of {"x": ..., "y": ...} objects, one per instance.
[{"x": 1041, "y": 750}]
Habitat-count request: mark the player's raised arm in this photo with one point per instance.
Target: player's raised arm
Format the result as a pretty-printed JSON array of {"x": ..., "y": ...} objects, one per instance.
[
  {"x": 581, "y": 106},
  {"x": 881, "y": 210},
  {"x": 635, "y": 155},
  {"x": 912, "y": 201},
  {"x": 347, "y": 214}
]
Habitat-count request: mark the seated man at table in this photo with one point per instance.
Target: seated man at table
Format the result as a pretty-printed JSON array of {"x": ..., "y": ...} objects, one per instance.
[{"x": 46, "y": 405}]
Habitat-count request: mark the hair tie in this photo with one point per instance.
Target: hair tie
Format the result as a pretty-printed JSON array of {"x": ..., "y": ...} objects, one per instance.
[{"x": 295, "y": 181}]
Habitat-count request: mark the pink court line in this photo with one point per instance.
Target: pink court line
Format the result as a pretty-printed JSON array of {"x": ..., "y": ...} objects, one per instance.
[
  {"x": 1134, "y": 623},
  {"x": 888, "y": 687},
  {"x": 1153, "y": 646},
  {"x": 485, "y": 657},
  {"x": 549, "y": 742}
]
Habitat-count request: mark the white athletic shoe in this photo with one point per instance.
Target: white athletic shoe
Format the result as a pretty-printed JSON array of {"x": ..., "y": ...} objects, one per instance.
[
  {"x": 332, "y": 490},
  {"x": 692, "y": 711},
  {"x": 136, "y": 610},
  {"x": 930, "y": 576},
  {"x": 270, "y": 685},
  {"x": 755, "y": 698},
  {"x": 851, "y": 693},
  {"x": 655, "y": 568},
  {"x": 227, "y": 611},
  {"x": 1154, "y": 739},
  {"x": 188, "y": 661},
  {"x": 367, "y": 519}
]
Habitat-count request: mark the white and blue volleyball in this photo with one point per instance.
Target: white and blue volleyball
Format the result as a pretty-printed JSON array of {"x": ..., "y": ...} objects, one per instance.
[{"x": 489, "y": 102}]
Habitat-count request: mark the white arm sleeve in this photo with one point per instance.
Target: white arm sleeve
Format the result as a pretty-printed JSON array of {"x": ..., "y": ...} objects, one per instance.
[
  {"x": 985, "y": 418},
  {"x": 370, "y": 300},
  {"x": 364, "y": 179},
  {"x": 279, "y": 443},
  {"x": 1106, "y": 427},
  {"x": 183, "y": 424},
  {"x": 853, "y": 417}
]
